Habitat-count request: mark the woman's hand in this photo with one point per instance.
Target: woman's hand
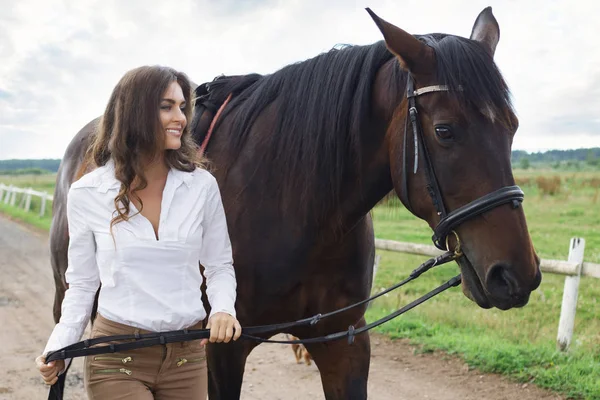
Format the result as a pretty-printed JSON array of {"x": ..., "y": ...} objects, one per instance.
[
  {"x": 51, "y": 370},
  {"x": 223, "y": 327}
]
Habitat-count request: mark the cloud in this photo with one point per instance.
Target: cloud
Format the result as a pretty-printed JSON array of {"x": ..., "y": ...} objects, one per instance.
[{"x": 61, "y": 59}]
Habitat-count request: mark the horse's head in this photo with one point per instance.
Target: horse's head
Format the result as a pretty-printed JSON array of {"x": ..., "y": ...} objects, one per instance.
[{"x": 450, "y": 158}]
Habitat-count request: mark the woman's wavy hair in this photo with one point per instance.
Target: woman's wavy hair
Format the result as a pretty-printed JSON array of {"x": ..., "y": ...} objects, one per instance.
[{"x": 130, "y": 132}]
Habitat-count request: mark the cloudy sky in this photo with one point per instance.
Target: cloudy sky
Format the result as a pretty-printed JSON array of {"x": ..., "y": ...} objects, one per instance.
[{"x": 61, "y": 59}]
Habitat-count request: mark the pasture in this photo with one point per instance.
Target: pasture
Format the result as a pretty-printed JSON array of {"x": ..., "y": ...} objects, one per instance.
[{"x": 520, "y": 343}]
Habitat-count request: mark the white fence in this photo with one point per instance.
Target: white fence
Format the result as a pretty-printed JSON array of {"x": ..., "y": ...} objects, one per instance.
[
  {"x": 8, "y": 195},
  {"x": 574, "y": 268}
]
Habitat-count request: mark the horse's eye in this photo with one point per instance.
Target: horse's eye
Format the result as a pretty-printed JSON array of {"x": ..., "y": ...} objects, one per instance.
[{"x": 444, "y": 133}]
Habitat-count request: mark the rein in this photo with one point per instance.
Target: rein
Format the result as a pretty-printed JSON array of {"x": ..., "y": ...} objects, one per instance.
[
  {"x": 212, "y": 125},
  {"x": 85, "y": 347}
]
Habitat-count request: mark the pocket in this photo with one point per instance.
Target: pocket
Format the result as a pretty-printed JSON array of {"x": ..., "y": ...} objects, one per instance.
[
  {"x": 190, "y": 361},
  {"x": 110, "y": 365},
  {"x": 111, "y": 371},
  {"x": 114, "y": 359},
  {"x": 193, "y": 354},
  {"x": 194, "y": 346}
]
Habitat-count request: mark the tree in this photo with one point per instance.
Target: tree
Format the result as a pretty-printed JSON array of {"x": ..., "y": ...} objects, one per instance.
[{"x": 591, "y": 158}]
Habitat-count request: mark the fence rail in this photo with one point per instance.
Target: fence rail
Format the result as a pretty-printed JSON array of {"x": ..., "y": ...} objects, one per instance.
[
  {"x": 574, "y": 268},
  {"x": 8, "y": 195},
  {"x": 559, "y": 267}
]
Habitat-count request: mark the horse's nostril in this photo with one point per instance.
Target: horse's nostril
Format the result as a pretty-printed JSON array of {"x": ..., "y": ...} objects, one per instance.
[{"x": 500, "y": 282}]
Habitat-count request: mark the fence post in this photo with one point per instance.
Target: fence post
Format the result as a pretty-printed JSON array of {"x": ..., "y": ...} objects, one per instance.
[
  {"x": 13, "y": 199},
  {"x": 7, "y": 196},
  {"x": 23, "y": 198},
  {"x": 28, "y": 201},
  {"x": 569, "y": 301},
  {"x": 43, "y": 206}
]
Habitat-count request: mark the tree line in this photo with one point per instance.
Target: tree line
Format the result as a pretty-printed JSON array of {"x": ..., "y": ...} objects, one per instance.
[
  {"x": 18, "y": 167},
  {"x": 519, "y": 157},
  {"x": 553, "y": 156}
]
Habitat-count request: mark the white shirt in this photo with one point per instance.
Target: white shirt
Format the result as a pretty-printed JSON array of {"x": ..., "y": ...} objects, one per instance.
[{"x": 146, "y": 283}]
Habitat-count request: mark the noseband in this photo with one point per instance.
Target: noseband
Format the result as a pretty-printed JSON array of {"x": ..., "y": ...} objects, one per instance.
[{"x": 448, "y": 220}]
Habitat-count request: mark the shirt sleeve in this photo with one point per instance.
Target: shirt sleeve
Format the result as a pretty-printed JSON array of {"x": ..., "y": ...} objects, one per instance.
[
  {"x": 216, "y": 255},
  {"x": 82, "y": 276}
]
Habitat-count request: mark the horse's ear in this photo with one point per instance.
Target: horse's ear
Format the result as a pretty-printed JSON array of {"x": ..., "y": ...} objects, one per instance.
[
  {"x": 486, "y": 30},
  {"x": 413, "y": 54}
]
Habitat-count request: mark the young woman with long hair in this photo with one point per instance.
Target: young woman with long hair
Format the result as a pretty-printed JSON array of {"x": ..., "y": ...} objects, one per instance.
[{"x": 139, "y": 225}]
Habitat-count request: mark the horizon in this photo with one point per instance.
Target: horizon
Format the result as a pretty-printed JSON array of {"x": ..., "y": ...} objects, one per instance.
[{"x": 512, "y": 151}]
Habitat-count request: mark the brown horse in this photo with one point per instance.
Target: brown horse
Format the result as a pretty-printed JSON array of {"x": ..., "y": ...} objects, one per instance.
[{"x": 302, "y": 156}]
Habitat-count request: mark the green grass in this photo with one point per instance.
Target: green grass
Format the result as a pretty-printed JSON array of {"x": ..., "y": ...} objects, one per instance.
[
  {"x": 31, "y": 218},
  {"x": 574, "y": 374},
  {"x": 519, "y": 343}
]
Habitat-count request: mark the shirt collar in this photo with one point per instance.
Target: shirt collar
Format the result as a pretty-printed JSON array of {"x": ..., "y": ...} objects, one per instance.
[
  {"x": 182, "y": 176},
  {"x": 109, "y": 181}
]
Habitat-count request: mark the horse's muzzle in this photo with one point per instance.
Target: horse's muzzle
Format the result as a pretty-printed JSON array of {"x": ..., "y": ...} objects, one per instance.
[{"x": 506, "y": 290}]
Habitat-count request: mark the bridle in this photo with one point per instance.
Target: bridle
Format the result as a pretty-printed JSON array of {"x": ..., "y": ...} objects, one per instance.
[{"x": 448, "y": 220}]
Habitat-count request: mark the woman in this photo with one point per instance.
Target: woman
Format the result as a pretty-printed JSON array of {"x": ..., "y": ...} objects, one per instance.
[{"x": 138, "y": 225}]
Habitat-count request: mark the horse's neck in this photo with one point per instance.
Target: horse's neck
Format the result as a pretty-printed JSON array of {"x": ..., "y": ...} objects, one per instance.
[{"x": 376, "y": 182}]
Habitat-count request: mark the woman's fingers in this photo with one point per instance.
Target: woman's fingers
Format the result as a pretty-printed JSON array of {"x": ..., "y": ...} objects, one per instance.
[
  {"x": 50, "y": 370},
  {"x": 238, "y": 330},
  {"x": 51, "y": 382},
  {"x": 222, "y": 330},
  {"x": 213, "y": 325},
  {"x": 49, "y": 373},
  {"x": 228, "y": 331},
  {"x": 223, "y": 327},
  {"x": 40, "y": 361},
  {"x": 45, "y": 369}
]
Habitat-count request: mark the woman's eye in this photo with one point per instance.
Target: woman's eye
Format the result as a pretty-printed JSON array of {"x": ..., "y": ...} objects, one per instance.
[{"x": 444, "y": 132}]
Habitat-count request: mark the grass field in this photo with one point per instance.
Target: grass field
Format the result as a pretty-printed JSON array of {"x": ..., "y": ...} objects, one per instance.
[
  {"x": 552, "y": 219},
  {"x": 42, "y": 183},
  {"x": 519, "y": 343}
]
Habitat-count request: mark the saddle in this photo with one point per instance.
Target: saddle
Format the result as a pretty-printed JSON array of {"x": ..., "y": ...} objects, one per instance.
[{"x": 211, "y": 97}]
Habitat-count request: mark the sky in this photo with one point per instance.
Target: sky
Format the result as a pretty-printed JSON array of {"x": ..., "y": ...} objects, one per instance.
[{"x": 61, "y": 59}]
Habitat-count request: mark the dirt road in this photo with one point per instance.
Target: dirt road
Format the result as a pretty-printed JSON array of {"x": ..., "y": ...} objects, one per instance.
[{"x": 26, "y": 295}]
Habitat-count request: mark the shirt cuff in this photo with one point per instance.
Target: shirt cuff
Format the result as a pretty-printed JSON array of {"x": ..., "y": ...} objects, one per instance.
[
  {"x": 223, "y": 310},
  {"x": 62, "y": 336}
]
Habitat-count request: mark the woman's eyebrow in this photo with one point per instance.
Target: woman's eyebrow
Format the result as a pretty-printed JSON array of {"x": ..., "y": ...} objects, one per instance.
[{"x": 173, "y": 101}]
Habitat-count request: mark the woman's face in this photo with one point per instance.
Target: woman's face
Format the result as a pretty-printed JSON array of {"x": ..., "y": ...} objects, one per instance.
[{"x": 172, "y": 117}]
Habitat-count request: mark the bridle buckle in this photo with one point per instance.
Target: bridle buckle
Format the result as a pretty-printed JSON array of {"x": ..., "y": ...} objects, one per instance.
[{"x": 457, "y": 250}]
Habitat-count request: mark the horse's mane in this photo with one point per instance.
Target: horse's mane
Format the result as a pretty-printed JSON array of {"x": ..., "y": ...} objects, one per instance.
[
  {"x": 472, "y": 75},
  {"x": 323, "y": 106}
]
